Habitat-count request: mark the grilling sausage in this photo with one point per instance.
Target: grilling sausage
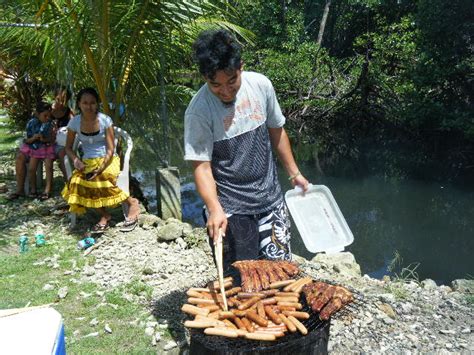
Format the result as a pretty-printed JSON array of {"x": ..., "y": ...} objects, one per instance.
[
  {"x": 229, "y": 333},
  {"x": 260, "y": 336},
  {"x": 298, "y": 325},
  {"x": 253, "y": 316},
  {"x": 190, "y": 309}
]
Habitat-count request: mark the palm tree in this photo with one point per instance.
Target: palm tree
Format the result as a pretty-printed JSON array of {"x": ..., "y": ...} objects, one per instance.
[{"x": 124, "y": 47}]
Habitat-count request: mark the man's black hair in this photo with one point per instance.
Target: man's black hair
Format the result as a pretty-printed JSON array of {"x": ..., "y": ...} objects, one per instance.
[{"x": 216, "y": 50}]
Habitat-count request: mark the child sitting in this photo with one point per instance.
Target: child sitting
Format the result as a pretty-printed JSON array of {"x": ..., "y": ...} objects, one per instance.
[{"x": 34, "y": 148}]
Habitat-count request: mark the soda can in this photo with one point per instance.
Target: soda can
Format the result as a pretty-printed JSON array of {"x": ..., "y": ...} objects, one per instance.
[
  {"x": 23, "y": 244},
  {"x": 85, "y": 243},
  {"x": 40, "y": 238}
]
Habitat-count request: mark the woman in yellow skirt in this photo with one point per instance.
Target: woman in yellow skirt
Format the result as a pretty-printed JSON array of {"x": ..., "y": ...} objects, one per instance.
[{"x": 93, "y": 182}]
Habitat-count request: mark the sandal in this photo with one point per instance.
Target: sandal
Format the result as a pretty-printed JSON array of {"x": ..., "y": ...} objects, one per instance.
[
  {"x": 44, "y": 196},
  {"x": 14, "y": 196},
  {"x": 99, "y": 228},
  {"x": 129, "y": 224},
  {"x": 33, "y": 195}
]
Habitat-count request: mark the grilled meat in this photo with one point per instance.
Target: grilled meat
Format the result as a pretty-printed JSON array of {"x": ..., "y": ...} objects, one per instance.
[
  {"x": 326, "y": 299},
  {"x": 257, "y": 275}
]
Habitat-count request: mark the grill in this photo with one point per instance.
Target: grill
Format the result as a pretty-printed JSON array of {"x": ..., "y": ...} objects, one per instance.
[{"x": 315, "y": 342}]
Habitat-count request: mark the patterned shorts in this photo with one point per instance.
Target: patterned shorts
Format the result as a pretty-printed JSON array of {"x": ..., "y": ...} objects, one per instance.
[{"x": 262, "y": 236}]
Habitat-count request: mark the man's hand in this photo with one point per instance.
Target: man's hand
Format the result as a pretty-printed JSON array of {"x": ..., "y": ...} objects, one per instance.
[
  {"x": 217, "y": 220},
  {"x": 300, "y": 180}
]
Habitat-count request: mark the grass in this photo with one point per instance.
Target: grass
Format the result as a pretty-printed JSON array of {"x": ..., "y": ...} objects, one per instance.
[
  {"x": 22, "y": 282},
  {"x": 400, "y": 278},
  {"x": 124, "y": 309}
]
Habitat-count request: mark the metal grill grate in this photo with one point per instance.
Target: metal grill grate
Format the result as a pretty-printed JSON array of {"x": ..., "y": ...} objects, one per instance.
[
  {"x": 315, "y": 342},
  {"x": 316, "y": 329}
]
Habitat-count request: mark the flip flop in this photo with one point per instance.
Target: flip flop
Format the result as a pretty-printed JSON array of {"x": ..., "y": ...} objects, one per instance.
[
  {"x": 44, "y": 196},
  {"x": 129, "y": 224},
  {"x": 14, "y": 196},
  {"x": 99, "y": 228},
  {"x": 33, "y": 195}
]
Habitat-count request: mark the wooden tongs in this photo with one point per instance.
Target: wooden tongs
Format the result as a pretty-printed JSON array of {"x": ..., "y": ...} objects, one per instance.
[{"x": 218, "y": 252}]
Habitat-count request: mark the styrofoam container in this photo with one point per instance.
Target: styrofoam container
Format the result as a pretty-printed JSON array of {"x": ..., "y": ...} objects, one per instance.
[
  {"x": 38, "y": 331},
  {"x": 318, "y": 219}
]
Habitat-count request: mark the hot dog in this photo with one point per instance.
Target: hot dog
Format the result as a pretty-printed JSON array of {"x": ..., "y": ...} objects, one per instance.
[
  {"x": 248, "y": 303},
  {"x": 298, "y": 315},
  {"x": 279, "y": 284},
  {"x": 298, "y": 325},
  {"x": 291, "y": 327},
  {"x": 253, "y": 316},
  {"x": 290, "y": 304},
  {"x": 272, "y": 315},
  {"x": 190, "y": 309},
  {"x": 260, "y": 336},
  {"x": 222, "y": 332}
]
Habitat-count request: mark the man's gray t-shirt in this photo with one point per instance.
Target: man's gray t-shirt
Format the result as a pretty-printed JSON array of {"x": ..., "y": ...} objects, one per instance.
[{"x": 235, "y": 139}]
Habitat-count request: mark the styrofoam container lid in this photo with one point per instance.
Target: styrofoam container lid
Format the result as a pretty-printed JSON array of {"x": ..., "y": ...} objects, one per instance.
[
  {"x": 40, "y": 327},
  {"x": 318, "y": 219}
]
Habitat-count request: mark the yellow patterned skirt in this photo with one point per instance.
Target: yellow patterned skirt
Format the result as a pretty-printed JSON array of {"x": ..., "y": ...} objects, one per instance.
[{"x": 102, "y": 191}]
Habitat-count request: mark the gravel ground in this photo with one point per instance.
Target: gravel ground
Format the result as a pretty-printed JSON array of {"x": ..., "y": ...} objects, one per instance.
[{"x": 391, "y": 316}]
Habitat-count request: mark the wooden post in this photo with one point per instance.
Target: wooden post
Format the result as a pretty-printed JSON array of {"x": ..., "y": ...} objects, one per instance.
[{"x": 168, "y": 193}]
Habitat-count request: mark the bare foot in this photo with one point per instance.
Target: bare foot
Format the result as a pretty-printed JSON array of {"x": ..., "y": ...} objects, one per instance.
[
  {"x": 134, "y": 209},
  {"x": 105, "y": 220}
]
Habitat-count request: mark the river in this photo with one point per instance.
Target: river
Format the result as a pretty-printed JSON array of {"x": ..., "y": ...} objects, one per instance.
[{"x": 422, "y": 226}]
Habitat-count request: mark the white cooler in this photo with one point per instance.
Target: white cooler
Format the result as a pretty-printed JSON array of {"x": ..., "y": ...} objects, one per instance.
[{"x": 38, "y": 331}]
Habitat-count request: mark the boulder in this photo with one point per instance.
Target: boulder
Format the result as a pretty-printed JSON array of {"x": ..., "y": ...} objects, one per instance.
[
  {"x": 343, "y": 263},
  {"x": 463, "y": 285},
  {"x": 149, "y": 220},
  {"x": 169, "y": 232}
]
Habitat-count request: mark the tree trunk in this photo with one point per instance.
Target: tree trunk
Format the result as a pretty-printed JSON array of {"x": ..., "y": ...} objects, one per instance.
[{"x": 323, "y": 22}]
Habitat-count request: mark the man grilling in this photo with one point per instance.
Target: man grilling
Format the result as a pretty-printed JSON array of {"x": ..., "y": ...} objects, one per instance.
[{"x": 231, "y": 125}]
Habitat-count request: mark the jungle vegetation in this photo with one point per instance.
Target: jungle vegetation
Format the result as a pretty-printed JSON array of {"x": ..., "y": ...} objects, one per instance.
[{"x": 373, "y": 86}]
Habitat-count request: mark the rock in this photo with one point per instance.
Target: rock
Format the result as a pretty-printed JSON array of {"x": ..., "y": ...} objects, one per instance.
[
  {"x": 95, "y": 334},
  {"x": 149, "y": 331},
  {"x": 170, "y": 345},
  {"x": 182, "y": 244},
  {"x": 62, "y": 293},
  {"x": 149, "y": 220},
  {"x": 107, "y": 329},
  {"x": 388, "y": 310},
  {"x": 48, "y": 287},
  {"x": 169, "y": 232},
  {"x": 187, "y": 230},
  {"x": 466, "y": 331},
  {"x": 387, "y": 298},
  {"x": 447, "y": 331},
  {"x": 463, "y": 285},
  {"x": 151, "y": 324},
  {"x": 157, "y": 337},
  {"x": 88, "y": 270},
  {"x": 428, "y": 284},
  {"x": 93, "y": 322},
  {"x": 343, "y": 263}
]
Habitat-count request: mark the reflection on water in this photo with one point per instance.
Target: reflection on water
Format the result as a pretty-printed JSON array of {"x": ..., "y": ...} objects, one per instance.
[{"x": 424, "y": 222}]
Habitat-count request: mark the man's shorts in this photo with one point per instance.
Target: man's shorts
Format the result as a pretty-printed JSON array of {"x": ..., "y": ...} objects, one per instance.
[{"x": 262, "y": 236}]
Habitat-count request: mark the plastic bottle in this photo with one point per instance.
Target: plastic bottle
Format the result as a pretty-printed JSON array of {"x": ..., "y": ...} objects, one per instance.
[
  {"x": 40, "y": 238},
  {"x": 23, "y": 243},
  {"x": 85, "y": 243}
]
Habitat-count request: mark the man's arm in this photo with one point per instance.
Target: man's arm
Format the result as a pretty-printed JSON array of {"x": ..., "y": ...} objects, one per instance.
[
  {"x": 206, "y": 187},
  {"x": 281, "y": 143}
]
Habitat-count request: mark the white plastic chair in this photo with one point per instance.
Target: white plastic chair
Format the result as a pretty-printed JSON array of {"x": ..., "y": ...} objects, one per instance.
[{"x": 123, "y": 179}]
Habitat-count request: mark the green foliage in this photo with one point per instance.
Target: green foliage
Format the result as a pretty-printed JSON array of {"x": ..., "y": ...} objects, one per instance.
[{"x": 390, "y": 74}]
